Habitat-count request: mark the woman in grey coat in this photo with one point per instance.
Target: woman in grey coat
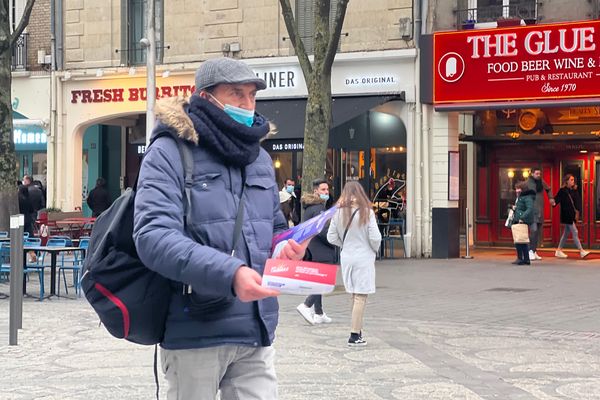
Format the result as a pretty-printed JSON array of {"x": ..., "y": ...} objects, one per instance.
[{"x": 354, "y": 229}]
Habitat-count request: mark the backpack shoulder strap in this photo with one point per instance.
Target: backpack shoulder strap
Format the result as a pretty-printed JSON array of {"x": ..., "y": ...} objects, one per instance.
[{"x": 187, "y": 161}]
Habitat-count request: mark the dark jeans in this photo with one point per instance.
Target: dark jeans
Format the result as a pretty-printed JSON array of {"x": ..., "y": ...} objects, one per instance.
[
  {"x": 534, "y": 235},
  {"x": 522, "y": 252},
  {"x": 317, "y": 301}
]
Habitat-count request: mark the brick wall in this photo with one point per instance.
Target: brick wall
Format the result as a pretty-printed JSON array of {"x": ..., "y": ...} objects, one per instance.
[{"x": 39, "y": 34}]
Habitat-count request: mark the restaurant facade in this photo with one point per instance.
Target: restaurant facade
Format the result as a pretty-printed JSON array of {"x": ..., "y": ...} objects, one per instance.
[{"x": 525, "y": 97}]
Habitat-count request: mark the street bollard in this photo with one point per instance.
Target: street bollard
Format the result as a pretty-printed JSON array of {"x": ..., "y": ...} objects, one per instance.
[
  {"x": 16, "y": 278},
  {"x": 468, "y": 230}
]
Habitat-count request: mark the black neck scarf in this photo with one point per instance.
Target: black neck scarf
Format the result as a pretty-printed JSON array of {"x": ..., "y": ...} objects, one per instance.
[{"x": 234, "y": 143}]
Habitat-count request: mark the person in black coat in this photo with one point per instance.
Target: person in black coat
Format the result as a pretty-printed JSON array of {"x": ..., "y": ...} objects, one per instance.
[
  {"x": 26, "y": 208},
  {"x": 570, "y": 206},
  {"x": 36, "y": 196},
  {"x": 99, "y": 199},
  {"x": 319, "y": 249}
]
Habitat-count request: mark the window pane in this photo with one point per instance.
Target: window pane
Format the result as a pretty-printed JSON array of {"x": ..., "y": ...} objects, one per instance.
[{"x": 507, "y": 179}]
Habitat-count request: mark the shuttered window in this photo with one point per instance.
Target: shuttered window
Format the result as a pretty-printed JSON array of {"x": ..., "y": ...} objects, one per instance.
[
  {"x": 305, "y": 10},
  {"x": 136, "y": 27}
]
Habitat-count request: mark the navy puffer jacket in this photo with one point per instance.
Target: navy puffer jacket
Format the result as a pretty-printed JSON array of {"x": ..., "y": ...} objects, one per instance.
[{"x": 201, "y": 257}]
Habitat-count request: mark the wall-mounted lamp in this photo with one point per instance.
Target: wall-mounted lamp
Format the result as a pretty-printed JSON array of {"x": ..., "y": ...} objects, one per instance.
[
  {"x": 525, "y": 173},
  {"x": 166, "y": 74},
  {"x": 132, "y": 71},
  {"x": 67, "y": 76},
  {"x": 99, "y": 73},
  {"x": 511, "y": 173},
  {"x": 277, "y": 164},
  {"x": 351, "y": 133}
]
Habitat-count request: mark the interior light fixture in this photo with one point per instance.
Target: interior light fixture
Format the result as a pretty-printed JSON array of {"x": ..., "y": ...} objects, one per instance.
[
  {"x": 525, "y": 173},
  {"x": 511, "y": 173},
  {"x": 277, "y": 164},
  {"x": 583, "y": 151}
]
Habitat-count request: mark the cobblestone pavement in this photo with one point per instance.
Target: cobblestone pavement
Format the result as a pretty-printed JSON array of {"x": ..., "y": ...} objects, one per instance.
[{"x": 436, "y": 329}]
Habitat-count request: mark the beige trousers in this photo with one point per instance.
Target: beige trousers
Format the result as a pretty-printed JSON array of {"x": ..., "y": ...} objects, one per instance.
[
  {"x": 239, "y": 372},
  {"x": 359, "y": 301}
]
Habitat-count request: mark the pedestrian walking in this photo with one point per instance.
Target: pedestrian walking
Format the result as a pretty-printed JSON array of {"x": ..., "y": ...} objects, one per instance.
[
  {"x": 287, "y": 201},
  {"x": 570, "y": 209},
  {"x": 319, "y": 249},
  {"x": 354, "y": 229},
  {"x": 536, "y": 231},
  {"x": 99, "y": 199},
  {"x": 524, "y": 215},
  {"x": 221, "y": 322}
]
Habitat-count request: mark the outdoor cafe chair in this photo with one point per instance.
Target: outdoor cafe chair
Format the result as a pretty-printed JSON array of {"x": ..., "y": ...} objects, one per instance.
[
  {"x": 5, "y": 267},
  {"x": 3, "y": 234},
  {"x": 75, "y": 268}
]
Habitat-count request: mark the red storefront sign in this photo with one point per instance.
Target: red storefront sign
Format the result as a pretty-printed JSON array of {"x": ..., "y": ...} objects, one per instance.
[{"x": 535, "y": 62}]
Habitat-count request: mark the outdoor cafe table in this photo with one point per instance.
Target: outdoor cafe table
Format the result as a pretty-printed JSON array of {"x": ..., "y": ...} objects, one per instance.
[
  {"x": 76, "y": 224},
  {"x": 53, "y": 250}
]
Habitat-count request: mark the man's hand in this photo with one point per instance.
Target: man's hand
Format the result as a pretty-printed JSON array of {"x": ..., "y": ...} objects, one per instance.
[
  {"x": 247, "y": 285},
  {"x": 293, "y": 250},
  {"x": 552, "y": 202}
]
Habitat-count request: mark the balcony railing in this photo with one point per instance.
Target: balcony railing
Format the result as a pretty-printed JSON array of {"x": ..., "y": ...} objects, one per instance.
[
  {"x": 525, "y": 10},
  {"x": 19, "y": 53}
]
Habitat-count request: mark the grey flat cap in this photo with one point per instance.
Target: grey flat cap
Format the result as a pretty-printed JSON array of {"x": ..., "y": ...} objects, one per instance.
[{"x": 226, "y": 70}]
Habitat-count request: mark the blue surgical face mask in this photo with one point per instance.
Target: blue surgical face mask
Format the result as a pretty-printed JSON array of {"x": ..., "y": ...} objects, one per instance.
[
  {"x": 240, "y": 115},
  {"x": 244, "y": 117},
  {"x": 289, "y": 189},
  {"x": 324, "y": 197}
]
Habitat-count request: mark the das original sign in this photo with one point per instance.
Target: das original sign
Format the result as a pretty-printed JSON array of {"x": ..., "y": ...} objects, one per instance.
[{"x": 554, "y": 61}]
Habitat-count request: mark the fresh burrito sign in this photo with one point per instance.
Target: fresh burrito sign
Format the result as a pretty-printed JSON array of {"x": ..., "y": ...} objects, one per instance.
[{"x": 555, "y": 61}]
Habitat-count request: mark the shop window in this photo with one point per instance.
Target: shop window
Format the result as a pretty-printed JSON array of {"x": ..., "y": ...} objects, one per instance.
[
  {"x": 508, "y": 178},
  {"x": 305, "y": 10},
  {"x": 39, "y": 166},
  {"x": 136, "y": 25}
]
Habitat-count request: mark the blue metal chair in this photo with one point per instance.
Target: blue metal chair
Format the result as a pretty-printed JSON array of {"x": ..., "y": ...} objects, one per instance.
[
  {"x": 3, "y": 234},
  {"x": 27, "y": 269},
  {"x": 75, "y": 268}
]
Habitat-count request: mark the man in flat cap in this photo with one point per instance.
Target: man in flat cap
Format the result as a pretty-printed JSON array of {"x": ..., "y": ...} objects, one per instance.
[{"x": 221, "y": 322}]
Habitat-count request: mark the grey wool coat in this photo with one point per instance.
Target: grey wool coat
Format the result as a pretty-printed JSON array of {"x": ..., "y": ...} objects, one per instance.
[{"x": 359, "y": 250}]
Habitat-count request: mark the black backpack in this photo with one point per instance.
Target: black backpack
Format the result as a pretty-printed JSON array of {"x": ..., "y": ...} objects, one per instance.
[{"x": 131, "y": 300}]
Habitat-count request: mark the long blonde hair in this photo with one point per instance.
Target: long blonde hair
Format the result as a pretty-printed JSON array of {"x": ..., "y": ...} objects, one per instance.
[{"x": 353, "y": 195}]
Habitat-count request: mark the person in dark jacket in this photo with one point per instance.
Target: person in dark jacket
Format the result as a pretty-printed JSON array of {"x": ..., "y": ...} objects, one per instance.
[
  {"x": 536, "y": 183},
  {"x": 570, "y": 205},
  {"x": 319, "y": 249},
  {"x": 99, "y": 199},
  {"x": 524, "y": 210},
  {"x": 26, "y": 208},
  {"x": 221, "y": 321},
  {"x": 36, "y": 196}
]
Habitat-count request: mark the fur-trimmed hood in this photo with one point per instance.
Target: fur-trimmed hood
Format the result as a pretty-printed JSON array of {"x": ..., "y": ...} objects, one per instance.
[
  {"x": 172, "y": 111},
  {"x": 311, "y": 199}
]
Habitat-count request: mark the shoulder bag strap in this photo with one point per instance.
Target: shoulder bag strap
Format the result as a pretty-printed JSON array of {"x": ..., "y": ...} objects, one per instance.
[
  {"x": 239, "y": 218},
  {"x": 348, "y": 226}
]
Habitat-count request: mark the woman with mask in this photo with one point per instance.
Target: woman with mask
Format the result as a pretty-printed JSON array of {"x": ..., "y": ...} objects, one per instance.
[
  {"x": 319, "y": 250},
  {"x": 354, "y": 229},
  {"x": 570, "y": 207}
]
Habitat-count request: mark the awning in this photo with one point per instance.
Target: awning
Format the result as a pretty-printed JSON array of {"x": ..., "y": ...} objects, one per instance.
[{"x": 288, "y": 114}]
